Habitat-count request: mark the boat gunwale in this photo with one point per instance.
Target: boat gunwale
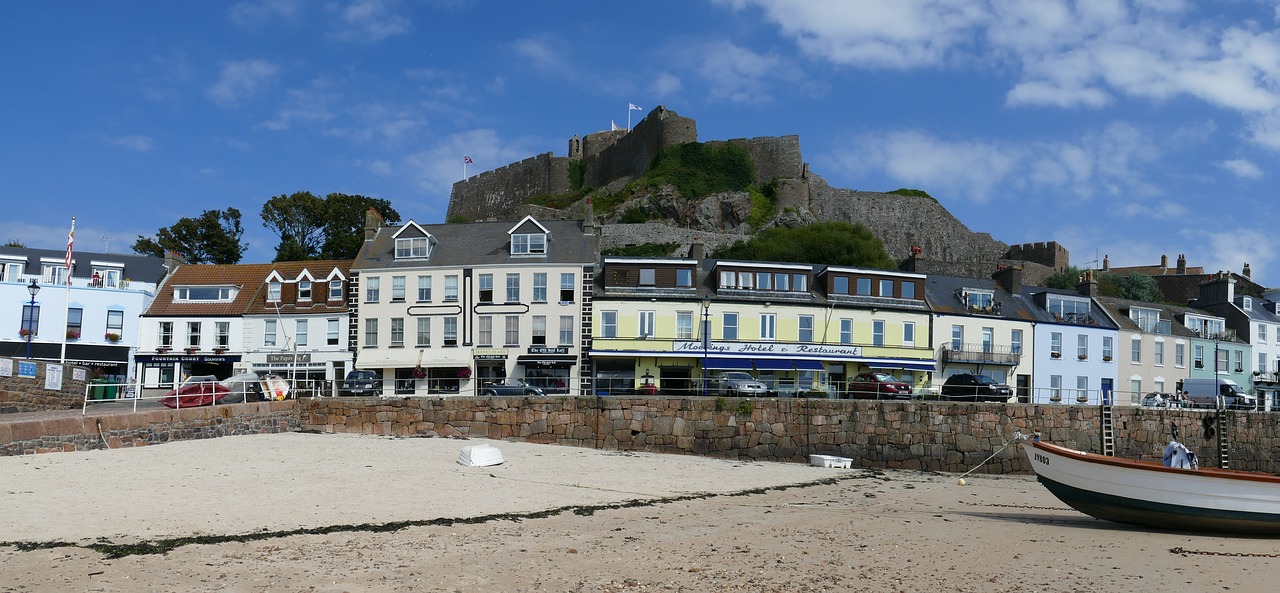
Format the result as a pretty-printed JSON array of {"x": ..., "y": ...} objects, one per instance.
[{"x": 1153, "y": 466}]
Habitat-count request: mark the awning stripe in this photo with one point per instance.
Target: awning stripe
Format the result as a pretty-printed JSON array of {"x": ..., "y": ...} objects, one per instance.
[
  {"x": 728, "y": 364},
  {"x": 773, "y": 364}
]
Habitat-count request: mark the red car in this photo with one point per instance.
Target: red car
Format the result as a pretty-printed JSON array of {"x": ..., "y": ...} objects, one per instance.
[
  {"x": 202, "y": 390},
  {"x": 878, "y": 386}
]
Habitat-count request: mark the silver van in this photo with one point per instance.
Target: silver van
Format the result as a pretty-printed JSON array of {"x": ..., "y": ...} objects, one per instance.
[{"x": 1204, "y": 393}]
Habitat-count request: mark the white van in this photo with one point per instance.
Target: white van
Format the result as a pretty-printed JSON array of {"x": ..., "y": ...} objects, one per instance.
[{"x": 1204, "y": 393}]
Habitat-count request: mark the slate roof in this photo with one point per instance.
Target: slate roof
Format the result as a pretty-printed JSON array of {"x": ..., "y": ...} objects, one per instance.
[
  {"x": 138, "y": 268},
  {"x": 477, "y": 244},
  {"x": 940, "y": 291},
  {"x": 251, "y": 280},
  {"x": 1118, "y": 309}
]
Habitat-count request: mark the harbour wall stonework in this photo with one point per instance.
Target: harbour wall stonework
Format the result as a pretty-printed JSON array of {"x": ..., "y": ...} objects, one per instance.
[{"x": 932, "y": 436}]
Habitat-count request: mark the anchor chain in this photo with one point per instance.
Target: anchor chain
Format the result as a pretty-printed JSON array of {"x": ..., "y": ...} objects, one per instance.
[{"x": 1184, "y": 552}]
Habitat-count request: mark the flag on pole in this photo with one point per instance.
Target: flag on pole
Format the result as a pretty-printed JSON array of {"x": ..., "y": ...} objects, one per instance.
[
  {"x": 71, "y": 239},
  {"x": 631, "y": 106},
  {"x": 615, "y": 125},
  {"x": 467, "y": 160}
]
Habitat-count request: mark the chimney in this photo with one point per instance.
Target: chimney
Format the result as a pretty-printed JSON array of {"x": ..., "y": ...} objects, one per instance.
[
  {"x": 1182, "y": 263},
  {"x": 1010, "y": 278},
  {"x": 1088, "y": 286},
  {"x": 589, "y": 219},
  {"x": 1164, "y": 261},
  {"x": 1247, "y": 273},
  {"x": 172, "y": 259},
  {"x": 372, "y": 222},
  {"x": 1106, "y": 263},
  {"x": 696, "y": 250}
]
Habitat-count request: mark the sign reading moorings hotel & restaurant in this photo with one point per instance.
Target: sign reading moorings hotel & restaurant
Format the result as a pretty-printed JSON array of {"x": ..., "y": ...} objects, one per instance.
[{"x": 719, "y": 348}]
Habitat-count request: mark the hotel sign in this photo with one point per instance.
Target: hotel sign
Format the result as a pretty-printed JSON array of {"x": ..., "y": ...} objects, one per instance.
[{"x": 768, "y": 348}]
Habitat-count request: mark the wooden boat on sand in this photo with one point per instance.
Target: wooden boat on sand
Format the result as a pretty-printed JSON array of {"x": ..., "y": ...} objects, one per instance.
[{"x": 1176, "y": 495}]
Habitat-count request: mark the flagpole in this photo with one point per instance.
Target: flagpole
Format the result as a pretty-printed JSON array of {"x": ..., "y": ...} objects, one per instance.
[{"x": 66, "y": 311}]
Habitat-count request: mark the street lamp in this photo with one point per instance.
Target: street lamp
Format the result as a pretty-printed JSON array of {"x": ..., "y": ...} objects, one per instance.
[
  {"x": 32, "y": 288},
  {"x": 706, "y": 341}
]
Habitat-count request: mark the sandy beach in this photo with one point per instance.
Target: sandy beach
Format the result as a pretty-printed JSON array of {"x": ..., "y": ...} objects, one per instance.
[{"x": 354, "y": 513}]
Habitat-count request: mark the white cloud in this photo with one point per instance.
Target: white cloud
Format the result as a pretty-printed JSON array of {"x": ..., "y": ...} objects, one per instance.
[
  {"x": 665, "y": 85},
  {"x": 434, "y": 170},
  {"x": 134, "y": 143},
  {"x": 309, "y": 105},
  {"x": 1229, "y": 248},
  {"x": 1107, "y": 162},
  {"x": 239, "y": 80},
  {"x": 1242, "y": 168},
  {"x": 547, "y": 53},
  {"x": 256, "y": 13},
  {"x": 877, "y": 34},
  {"x": 1059, "y": 53},
  {"x": 371, "y": 21}
]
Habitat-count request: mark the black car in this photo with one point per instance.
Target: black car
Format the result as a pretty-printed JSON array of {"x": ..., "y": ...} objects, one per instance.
[
  {"x": 978, "y": 388},
  {"x": 361, "y": 383}
]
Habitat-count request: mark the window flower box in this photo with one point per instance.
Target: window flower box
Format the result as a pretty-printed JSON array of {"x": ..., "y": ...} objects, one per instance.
[
  {"x": 1055, "y": 354},
  {"x": 73, "y": 334},
  {"x": 1106, "y": 359},
  {"x": 1082, "y": 356},
  {"x": 112, "y": 337},
  {"x": 24, "y": 332}
]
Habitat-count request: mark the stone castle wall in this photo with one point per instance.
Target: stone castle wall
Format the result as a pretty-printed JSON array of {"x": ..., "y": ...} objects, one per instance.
[
  {"x": 1049, "y": 254},
  {"x": 495, "y": 192},
  {"x": 630, "y": 155},
  {"x": 774, "y": 157}
]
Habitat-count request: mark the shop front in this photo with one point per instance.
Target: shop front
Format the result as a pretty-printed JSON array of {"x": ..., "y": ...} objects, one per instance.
[
  {"x": 548, "y": 368},
  {"x": 161, "y": 372}
]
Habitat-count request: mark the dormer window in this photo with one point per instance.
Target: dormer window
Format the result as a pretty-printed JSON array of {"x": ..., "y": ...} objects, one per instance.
[
  {"x": 1246, "y": 303},
  {"x": 304, "y": 290},
  {"x": 529, "y": 244},
  {"x": 978, "y": 300},
  {"x": 189, "y": 294},
  {"x": 273, "y": 292},
  {"x": 412, "y": 248}
]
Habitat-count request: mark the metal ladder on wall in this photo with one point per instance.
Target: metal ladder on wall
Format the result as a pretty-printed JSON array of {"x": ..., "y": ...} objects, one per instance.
[
  {"x": 1108, "y": 430},
  {"x": 1224, "y": 444}
]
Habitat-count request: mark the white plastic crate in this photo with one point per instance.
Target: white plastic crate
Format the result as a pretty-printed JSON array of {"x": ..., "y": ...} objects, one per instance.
[{"x": 830, "y": 461}]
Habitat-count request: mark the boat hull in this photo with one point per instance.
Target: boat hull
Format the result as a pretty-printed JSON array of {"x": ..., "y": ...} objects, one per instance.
[{"x": 1152, "y": 495}]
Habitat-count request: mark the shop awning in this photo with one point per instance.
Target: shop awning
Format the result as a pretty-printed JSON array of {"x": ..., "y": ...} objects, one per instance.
[
  {"x": 547, "y": 360},
  {"x": 906, "y": 365},
  {"x": 728, "y": 364},
  {"x": 809, "y": 365},
  {"x": 773, "y": 364}
]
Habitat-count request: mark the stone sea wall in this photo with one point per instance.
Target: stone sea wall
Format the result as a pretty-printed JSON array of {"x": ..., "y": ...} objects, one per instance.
[{"x": 946, "y": 437}]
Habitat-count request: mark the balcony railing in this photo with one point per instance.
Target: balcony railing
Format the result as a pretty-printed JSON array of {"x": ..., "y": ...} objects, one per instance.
[{"x": 979, "y": 354}]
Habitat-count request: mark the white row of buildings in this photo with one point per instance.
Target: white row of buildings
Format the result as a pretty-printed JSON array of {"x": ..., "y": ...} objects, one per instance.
[{"x": 445, "y": 309}]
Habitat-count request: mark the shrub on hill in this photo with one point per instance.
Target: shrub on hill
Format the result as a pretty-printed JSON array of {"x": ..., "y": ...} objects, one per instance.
[
  {"x": 697, "y": 170},
  {"x": 918, "y": 193},
  {"x": 834, "y": 243}
]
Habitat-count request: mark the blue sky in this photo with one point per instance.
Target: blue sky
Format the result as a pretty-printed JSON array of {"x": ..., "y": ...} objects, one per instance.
[{"x": 1128, "y": 129}]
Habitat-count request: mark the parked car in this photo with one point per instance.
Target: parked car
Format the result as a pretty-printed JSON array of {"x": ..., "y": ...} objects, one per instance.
[
  {"x": 361, "y": 382},
  {"x": 878, "y": 386},
  {"x": 510, "y": 387},
  {"x": 199, "y": 390},
  {"x": 738, "y": 384},
  {"x": 975, "y": 387},
  {"x": 245, "y": 387}
]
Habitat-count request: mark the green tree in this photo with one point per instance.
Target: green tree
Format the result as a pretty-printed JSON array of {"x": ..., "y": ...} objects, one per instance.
[
  {"x": 211, "y": 238},
  {"x": 310, "y": 227},
  {"x": 14, "y": 243},
  {"x": 1135, "y": 287},
  {"x": 1067, "y": 278},
  {"x": 835, "y": 243},
  {"x": 298, "y": 219},
  {"x": 697, "y": 169},
  {"x": 344, "y": 223}
]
